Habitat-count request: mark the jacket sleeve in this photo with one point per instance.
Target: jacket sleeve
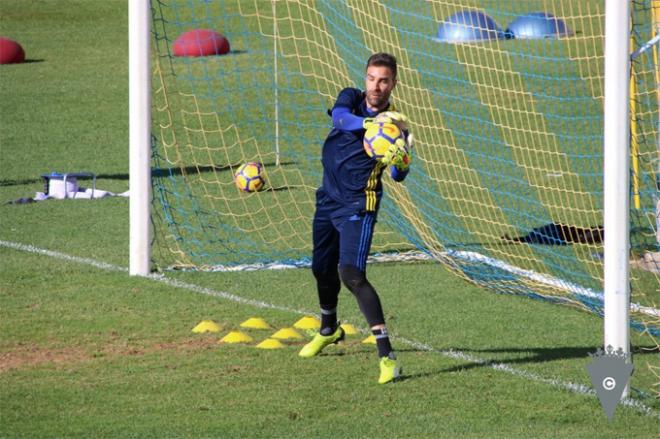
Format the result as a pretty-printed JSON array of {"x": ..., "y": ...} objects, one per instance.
[
  {"x": 344, "y": 120},
  {"x": 398, "y": 175}
]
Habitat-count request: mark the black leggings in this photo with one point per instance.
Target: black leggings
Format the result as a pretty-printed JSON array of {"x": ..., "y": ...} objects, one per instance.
[{"x": 356, "y": 281}]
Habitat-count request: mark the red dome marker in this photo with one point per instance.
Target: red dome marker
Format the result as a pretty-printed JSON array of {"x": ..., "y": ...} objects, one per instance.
[
  {"x": 11, "y": 52},
  {"x": 201, "y": 42}
]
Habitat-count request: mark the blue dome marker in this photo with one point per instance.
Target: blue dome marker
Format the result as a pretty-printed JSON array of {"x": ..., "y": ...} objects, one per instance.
[
  {"x": 538, "y": 25},
  {"x": 469, "y": 25}
]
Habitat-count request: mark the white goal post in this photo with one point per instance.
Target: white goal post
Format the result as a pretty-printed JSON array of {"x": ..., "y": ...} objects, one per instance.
[
  {"x": 139, "y": 36},
  {"x": 616, "y": 176}
]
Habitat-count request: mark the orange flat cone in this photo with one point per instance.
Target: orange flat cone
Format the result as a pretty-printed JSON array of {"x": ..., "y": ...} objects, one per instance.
[
  {"x": 270, "y": 343},
  {"x": 255, "y": 323},
  {"x": 308, "y": 322},
  {"x": 287, "y": 334},
  {"x": 236, "y": 337},
  {"x": 206, "y": 326}
]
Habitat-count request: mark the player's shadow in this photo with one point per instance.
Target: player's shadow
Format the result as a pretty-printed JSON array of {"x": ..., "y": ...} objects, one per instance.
[
  {"x": 560, "y": 234},
  {"x": 276, "y": 189},
  {"x": 188, "y": 170},
  {"x": 157, "y": 172},
  {"x": 173, "y": 172},
  {"x": 342, "y": 350},
  {"x": 534, "y": 355},
  {"x": 550, "y": 234},
  {"x": 411, "y": 376}
]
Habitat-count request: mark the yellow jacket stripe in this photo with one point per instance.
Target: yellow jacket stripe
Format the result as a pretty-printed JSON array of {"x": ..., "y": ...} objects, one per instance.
[{"x": 369, "y": 190}]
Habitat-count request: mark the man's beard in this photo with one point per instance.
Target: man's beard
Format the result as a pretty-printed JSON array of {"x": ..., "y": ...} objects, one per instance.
[{"x": 376, "y": 101}]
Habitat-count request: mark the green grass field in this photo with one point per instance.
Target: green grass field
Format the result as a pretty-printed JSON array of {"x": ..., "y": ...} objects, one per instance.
[{"x": 87, "y": 351}]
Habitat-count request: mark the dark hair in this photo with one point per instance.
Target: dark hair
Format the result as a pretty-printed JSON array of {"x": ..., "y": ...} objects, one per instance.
[{"x": 384, "y": 60}]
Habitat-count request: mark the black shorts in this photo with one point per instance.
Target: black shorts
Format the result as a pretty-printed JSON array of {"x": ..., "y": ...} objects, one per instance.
[{"x": 341, "y": 237}]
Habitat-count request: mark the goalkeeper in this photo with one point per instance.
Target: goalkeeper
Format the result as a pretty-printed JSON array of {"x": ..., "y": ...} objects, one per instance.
[{"x": 347, "y": 205}]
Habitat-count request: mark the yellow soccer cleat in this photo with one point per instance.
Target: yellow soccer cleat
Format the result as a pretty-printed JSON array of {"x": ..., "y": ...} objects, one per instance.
[
  {"x": 319, "y": 342},
  {"x": 389, "y": 370}
]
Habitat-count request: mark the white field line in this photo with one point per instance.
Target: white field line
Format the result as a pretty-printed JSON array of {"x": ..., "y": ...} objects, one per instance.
[
  {"x": 547, "y": 280},
  {"x": 456, "y": 355}
]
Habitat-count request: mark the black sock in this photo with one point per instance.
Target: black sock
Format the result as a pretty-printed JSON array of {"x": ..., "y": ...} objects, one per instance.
[
  {"x": 328, "y": 321},
  {"x": 383, "y": 342}
]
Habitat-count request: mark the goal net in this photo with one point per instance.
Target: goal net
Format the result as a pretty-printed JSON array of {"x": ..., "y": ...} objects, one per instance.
[{"x": 505, "y": 100}]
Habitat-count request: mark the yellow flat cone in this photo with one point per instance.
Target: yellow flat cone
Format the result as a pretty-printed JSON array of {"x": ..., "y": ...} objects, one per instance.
[
  {"x": 255, "y": 323},
  {"x": 287, "y": 334},
  {"x": 348, "y": 329},
  {"x": 370, "y": 340},
  {"x": 270, "y": 343},
  {"x": 236, "y": 337},
  {"x": 308, "y": 322},
  {"x": 206, "y": 326}
]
